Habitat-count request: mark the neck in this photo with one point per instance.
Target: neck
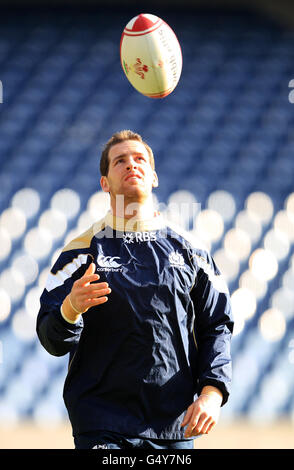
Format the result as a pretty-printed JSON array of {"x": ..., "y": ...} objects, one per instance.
[{"x": 131, "y": 208}]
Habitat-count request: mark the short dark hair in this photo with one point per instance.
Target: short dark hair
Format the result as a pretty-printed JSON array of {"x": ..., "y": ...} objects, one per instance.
[{"x": 117, "y": 138}]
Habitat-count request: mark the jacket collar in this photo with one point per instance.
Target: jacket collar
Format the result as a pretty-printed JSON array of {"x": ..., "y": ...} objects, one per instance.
[{"x": 134, "y": 225}]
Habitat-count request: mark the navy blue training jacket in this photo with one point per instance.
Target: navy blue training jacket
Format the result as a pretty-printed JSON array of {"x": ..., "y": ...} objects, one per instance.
[{"x": 137, "y": 362}]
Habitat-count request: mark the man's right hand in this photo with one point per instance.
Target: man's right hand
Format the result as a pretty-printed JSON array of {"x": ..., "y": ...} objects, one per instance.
[{"x": 85, "y": 295}]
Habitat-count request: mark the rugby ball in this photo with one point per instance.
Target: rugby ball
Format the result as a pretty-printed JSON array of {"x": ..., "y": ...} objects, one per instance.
[{"x": 151, "y": 56}]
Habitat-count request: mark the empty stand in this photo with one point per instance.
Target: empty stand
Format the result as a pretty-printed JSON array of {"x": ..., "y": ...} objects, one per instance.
[{"x": 223, "y": 144}]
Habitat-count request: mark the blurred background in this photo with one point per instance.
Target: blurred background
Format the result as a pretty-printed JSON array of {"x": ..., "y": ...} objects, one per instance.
[{"x": 224, "y": 139}]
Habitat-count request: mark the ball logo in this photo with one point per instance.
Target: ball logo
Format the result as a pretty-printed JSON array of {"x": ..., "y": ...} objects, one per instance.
[{"x": 140, "y": 68}]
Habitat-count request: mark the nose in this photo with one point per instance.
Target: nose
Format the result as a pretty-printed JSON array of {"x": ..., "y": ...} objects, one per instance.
[{"x": 131, "y": 164}]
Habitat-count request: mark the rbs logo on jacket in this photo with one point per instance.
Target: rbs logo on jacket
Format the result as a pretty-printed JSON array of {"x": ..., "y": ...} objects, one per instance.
[{"x": 131, "y": 237}]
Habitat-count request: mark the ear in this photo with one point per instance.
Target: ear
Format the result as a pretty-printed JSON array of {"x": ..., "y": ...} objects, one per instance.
[
  {"x": 104, "y": 184},
  {"x": 155, "y": 180}
]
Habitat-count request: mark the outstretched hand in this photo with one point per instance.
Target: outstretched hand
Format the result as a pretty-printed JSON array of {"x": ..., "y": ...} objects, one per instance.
[{"x": 85, "y": 295}]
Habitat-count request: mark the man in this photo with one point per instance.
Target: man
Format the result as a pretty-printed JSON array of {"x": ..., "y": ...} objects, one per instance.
[{"x": 143, "y": 313}]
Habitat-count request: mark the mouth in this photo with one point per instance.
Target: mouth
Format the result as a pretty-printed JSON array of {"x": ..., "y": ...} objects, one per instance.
[{"x": 133, "y": 176}]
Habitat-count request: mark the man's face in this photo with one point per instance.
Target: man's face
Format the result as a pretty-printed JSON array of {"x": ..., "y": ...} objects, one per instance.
[{"x": 130, "y": 173}]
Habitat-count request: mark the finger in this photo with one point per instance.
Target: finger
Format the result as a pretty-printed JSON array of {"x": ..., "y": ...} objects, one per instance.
[
  {"x": 201, "y": 424},
  {"x": 92, "y": 287},
  {"x": 85, "y": 280},
  {"x": 86, "y": 303},
  {"x": 187, "y": 416},
  {"x": 94, "y": 292},
  {"x": 192, "y": 424},
  {"x": 93, "y": 302},
  {"x": 208, "y": 427},
  {"x": 190, "y": 431},
  {"x": 97, "y": 293},
  {"x": 89, "y": 273},
  {"x": 90, "y": 278},
  {"x": 90, "y": 270}
]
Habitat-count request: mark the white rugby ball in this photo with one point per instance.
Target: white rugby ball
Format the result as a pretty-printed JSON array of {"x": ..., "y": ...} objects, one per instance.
[{"x": 151, "y": 56}]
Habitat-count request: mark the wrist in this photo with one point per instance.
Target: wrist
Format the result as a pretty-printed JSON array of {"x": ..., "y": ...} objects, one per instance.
[
  {"x": 69, "y": 312},
  {"x": 212, "y": 392}
]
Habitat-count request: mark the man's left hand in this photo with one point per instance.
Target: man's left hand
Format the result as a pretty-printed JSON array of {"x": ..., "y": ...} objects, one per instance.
[{"x": 203, "y": 414}]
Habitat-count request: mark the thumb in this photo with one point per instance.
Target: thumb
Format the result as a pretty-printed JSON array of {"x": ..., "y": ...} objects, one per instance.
[{"x": 90, "y": 270}]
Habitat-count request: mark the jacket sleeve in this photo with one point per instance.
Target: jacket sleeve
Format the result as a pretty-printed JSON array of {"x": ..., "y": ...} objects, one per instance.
[
  {"x": 213, "y": 326},
  {"x": 57, "y": 335}
]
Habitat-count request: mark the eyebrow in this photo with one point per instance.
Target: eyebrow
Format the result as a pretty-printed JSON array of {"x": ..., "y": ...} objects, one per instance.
[{"x": 125, "y": 155}]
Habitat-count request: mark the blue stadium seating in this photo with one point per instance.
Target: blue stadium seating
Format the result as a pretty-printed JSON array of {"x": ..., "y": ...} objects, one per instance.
[{"x": 227, "y": 126}]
